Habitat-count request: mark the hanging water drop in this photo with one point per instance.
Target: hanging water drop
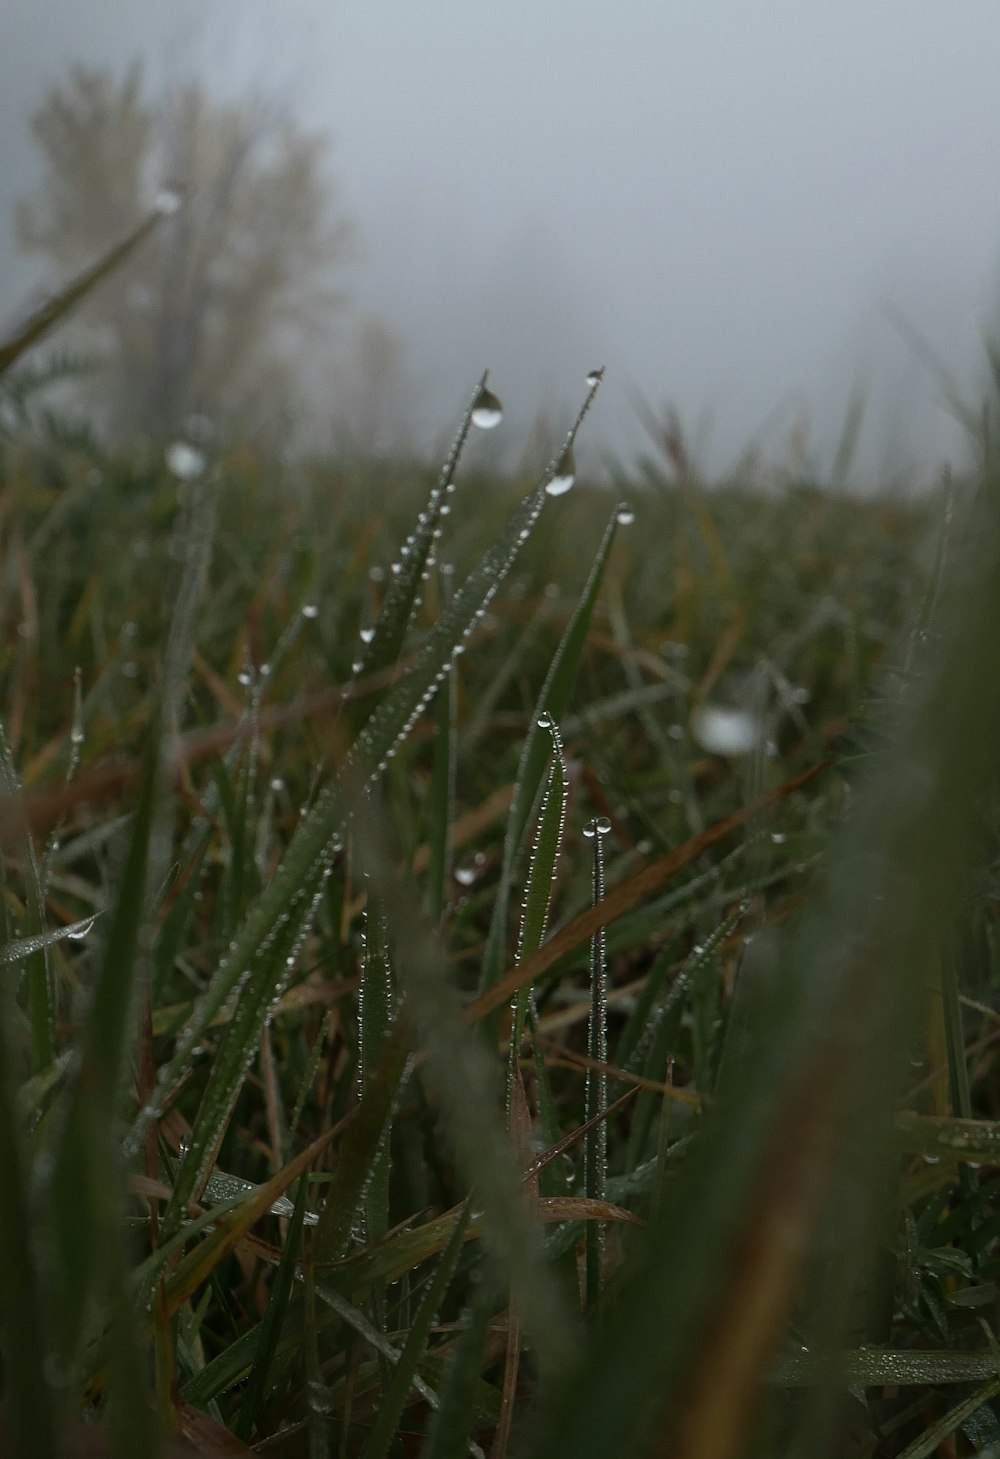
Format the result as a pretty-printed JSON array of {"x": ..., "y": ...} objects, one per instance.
[
  {"x": 310, "y": 610},
  {"x": 563, "y": 474},
  {"x": 81, "y": 930},
  {"x": 625, "y": 516},
  {"x": 545, "y": 720},
  {"x": 594, "y": 377},
  {"x": 487, "y": 412},
  {"x": 366, "y": 634},
  {"x": 465, "y": 875},
  {"x": 600, "y": 826},
  {"x": 185, "y": 461}
]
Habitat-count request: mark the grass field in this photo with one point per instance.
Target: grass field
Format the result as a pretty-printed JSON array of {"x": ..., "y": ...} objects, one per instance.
[{"x": 494, "y": 969}]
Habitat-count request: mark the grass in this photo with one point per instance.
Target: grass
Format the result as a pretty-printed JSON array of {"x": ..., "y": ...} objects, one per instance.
[{"x": 417, "y": 1039}]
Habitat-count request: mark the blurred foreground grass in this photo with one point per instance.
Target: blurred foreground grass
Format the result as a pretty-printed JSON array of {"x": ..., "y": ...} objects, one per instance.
[{"x": 308, "y": 772}]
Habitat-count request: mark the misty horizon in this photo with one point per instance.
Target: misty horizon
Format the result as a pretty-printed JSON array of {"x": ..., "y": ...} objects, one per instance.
[{"x": 741, "y": 213}]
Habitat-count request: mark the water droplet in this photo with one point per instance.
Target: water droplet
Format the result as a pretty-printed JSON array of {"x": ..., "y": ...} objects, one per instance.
[
  {"x": 168, "y": 201},
  {"x": 779, "y": 838},
  {"x": 723, "y": 731},
  {"x": 80, "y": 931},
  {"x": 310, "y": 610},
  {"x": 545, "y": 720},
  {"x": 366, "y": 634},
  {"x": 245, "y": 678},
  {"x": 595, "y": 377},
  {"x": 932, "y": 1159},
  {"x": 277, "y": 783},
  {"x": 487, "y": 411},
  {"x": 600, "y": 826},
  {"x": 801, "y": 696},
  {"x": 465, "y": 875},
  {"x": 676, "y": 731},
  {"x": 625, "y": 516},
  {"x": 563, "y": 474},
  {"x": 185, "y": 461}
]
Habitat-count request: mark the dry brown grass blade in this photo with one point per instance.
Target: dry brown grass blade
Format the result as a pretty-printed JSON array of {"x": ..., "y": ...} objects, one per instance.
[{"x": 629, "y": 894}]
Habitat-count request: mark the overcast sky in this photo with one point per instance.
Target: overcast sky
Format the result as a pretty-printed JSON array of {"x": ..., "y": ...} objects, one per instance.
[{"x": 721, "y": 201}]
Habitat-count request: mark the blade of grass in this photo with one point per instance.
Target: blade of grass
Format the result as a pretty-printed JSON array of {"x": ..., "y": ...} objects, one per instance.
[
  {"x": 42, "y": 319},
  {"x": 394, "y": 1400},
  {"x": 553, "y": 701}
]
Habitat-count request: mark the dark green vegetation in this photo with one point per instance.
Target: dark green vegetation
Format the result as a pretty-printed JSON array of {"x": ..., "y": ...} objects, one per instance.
[{"x": 269, "y": 1181}]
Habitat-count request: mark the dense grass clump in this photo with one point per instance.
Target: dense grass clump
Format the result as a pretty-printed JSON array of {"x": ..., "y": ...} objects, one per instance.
[{"x": 493, "y": 967}]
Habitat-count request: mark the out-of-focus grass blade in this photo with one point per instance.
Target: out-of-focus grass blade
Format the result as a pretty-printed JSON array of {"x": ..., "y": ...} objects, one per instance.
[
  {"x": 410, "y": 570},
  {"x": 30, "y": 1412},
  {"x": 43, "y": 318},
  {"x": 461, "y": 1077},
  {"x": 34, "y": 947},
  {"x": 932, "y": 1439},
  {"x": 452, "y": 1423},
  {"x": 79, "y": 1199},
  {"x": 553, "y": 702},
  {"x": 260, "y": 1374},
  {"x": 394, "y": 1400},
  {"x": 284, "y": 909},
  {"x": 808, "y": 1095}
]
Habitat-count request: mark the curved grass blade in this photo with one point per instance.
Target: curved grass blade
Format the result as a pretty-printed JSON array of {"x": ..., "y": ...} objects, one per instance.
[
  {"x": 43, "y": 318},
  {"x": 553, "y": 702},
  {"x": 394, "y": 1400},
  {"x": 250, "y": 971}
]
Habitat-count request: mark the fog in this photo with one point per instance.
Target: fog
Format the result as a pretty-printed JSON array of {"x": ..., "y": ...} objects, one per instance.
[{"x": 739, "y": 208}]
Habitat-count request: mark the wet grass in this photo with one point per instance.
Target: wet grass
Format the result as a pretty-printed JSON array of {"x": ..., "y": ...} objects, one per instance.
[{"x": 320, "y": 779}]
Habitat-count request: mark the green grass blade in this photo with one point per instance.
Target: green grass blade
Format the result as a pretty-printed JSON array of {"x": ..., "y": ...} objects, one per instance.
[
  {"x": 595, "y": 1159},
  {"x": 809, "y": 1094},
  {"x": 374, "y": 1019},
  {"x": 442, "y": 789},
  {"x": 21, "y": 947},
  {"x": 81, "y": 1197},
  {"x": 553, "y": 702},
  {"x": 394, "y": 1400},
  {"x": 452, "y": 1423},
  {"x": 260, "y": 1374},
  {"x": 60, "y": 304},
  {"x": 411, "y": 569},
  {"x": 30, "y": 1410},
  {"x": 541, "y": 880},
  {"x": 285, "y": 907},
  {"x": 461, "y": 1078}
]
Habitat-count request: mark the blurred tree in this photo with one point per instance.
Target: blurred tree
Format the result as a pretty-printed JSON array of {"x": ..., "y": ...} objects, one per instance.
[{"x": 211, "y": 316}]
